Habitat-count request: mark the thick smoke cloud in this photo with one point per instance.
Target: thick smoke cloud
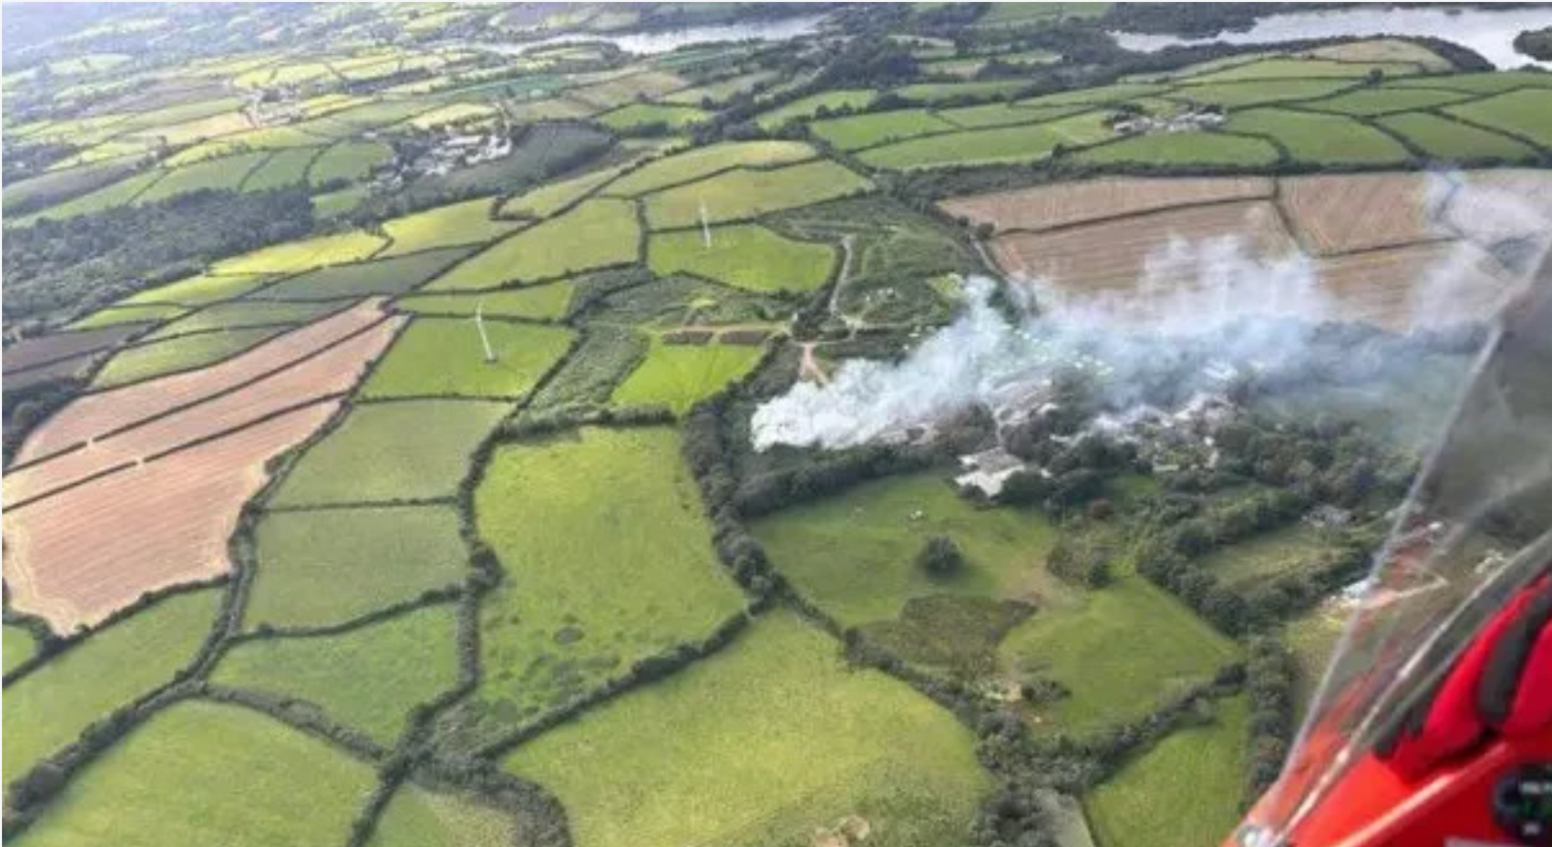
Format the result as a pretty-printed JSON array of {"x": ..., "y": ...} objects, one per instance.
[{"x": 1201, "y": 309}]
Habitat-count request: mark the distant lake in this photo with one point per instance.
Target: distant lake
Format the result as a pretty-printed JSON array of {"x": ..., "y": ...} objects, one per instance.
[
  {"x": 668, "y": 40},
  {"x": 1487, "y": 31}
]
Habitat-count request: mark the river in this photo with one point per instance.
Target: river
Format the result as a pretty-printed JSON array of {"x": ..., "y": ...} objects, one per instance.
[{"x": 1489, "y": 32}]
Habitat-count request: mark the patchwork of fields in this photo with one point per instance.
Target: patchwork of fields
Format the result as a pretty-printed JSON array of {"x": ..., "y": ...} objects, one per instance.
[{"x": 435, "y": 521}]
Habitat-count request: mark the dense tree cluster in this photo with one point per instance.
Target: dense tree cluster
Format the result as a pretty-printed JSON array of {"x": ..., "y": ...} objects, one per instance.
[
  {"x": 1535, "y": 43},
  {"x": 1326, "y": 461},
  {"x": 1269, "y": 680},
  {"x": 55, "y": 268}
]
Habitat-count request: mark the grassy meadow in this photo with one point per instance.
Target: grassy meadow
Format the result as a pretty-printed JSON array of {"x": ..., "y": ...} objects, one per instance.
[
  {"x": 367, "y": 678},
  {"x": 763, "y": 743},
  {"x": 409, "y": 450},
  {"x": 317, "y": 568},
  {"x": 744, "y": 255},
  {"x": 445, "y": 356}
]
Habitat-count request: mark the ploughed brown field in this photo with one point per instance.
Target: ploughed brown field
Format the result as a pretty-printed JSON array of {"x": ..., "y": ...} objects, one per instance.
[
  {"x": 1418, "y": 286},
  {"x": 150, "y": 501},
  {"x": 49, "y": 349},
  {"x": 332, "y": 371},
  {"x": 1113, "y": 255},
  {"x": 1351, "y": 212},
  {"x": 1064, "y": 204},
  {"x": 105, "y": 411},
  {"x": 1385, "y": 247},
  {"x": 74, "y": 558}
]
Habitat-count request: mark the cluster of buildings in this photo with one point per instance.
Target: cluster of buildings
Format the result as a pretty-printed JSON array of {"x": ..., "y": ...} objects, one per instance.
[{"x": 1187, "y": 120}]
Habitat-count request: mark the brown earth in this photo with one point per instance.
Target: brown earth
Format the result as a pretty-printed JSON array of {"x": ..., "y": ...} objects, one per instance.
[
  {"x": 74, "y": 558},
  {"x": 1333, "y": 214},
  {"x": 1424, "y": 285},
  {"x": 1049, "y": 206},
  {"x": 1112, "y": 255},
  {"x": 46, "y": 349},
  {"x": 333, "y": 371},
  {"x": 104, "y": 411}
]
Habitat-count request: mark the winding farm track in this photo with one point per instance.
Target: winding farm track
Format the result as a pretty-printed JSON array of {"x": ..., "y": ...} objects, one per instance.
[{"x": 140, "y": 488}]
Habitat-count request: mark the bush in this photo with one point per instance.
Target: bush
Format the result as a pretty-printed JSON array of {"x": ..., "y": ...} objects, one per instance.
[{"x": 940, "y": 557}]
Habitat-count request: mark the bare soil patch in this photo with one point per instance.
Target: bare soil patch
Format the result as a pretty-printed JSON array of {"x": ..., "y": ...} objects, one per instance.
[
  {"x": 46, "y": 349},
  {"x": 74, "y": 558},
  {"x": 1419, "y": 286},
  {"x": 331, "y": 372},
  {"x": 1050, "y": 206},
  {"x": 1113, "y": 255},
  {"x": 1333, "y": 214},
  {"x": 105, "y": 411}
]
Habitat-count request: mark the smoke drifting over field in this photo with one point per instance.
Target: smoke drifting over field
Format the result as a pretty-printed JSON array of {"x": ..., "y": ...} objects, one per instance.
[{"x": 1159, "y": 342}]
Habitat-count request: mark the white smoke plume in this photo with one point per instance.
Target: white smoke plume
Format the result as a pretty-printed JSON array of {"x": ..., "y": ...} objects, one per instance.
[{"x": 1197, "y": 304}]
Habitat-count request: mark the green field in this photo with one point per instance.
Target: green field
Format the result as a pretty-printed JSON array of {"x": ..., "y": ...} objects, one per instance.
[
  {"x": 199, "y": 772},
  {"x": 743, "y": 194},
  {"x": 744, "y": 255},
  {"x": 412, "y": 450},
  {"x": 1448, "y": 139},
  {"x": 1256, "y": 561},
  {"x": 703, "y": 161},
  {"x": 678, "y": 375},
  {"x": 368, "y": 678},
  {"x": 285, "y": 168},
  {"x": 546, "y": 200},
  {"x": 1486, "y": 82},
  {"x": 609, "y": 561},
  {"x": 348, "y": 160},
  {"x": 116, "y": 194},
  {"x": 199, "y": 290},
  {"x": 1527, "y": 114},
  {"x": 460, "y": 223},
  {"x": 854, "y": 554},
  {"x": 416, "y": 817},
  {"x": 1321, "y": 139},
  {"x": 1184, "y": 792},
  {"x": 763, "y": 743},
  {"x": 1120, "y": 651},
  {"x": 598, "y": 233},
  {"x": 867, "y": 130},
  {"x": 295, "y": 256},
  {"x": 239, "y": 314},
  {"x": 543, "y": 302},
  {"x": 130, "y": 314},
  {"x": 225, "y": 173},
  {"x": 810, "y": 106},
  {"x": 1311, "y": 638},
  {"x": 178, "y": 354},
  {"x": 1005, "y": 114},
  {"x": 1384, "y": 101},
  {"x": 17, "y": 645},
  {"x": 317, "y": 568},
  {"x": 639, "y": 115},
  {"x": 1027, "y": 143},
  {"x": 722, "y": 90},
  {"x": 1102, "y": 95},
  {"x": 359, "y": 279},
  {"x": 1294, "y": 68},
  {"x": 939, "y": 92},
  {"x": 1233, "y": 95},
  {"x": 1183, "y": 148},
  {"x": 49, "y": 708},
  {"x": 444, "y": 356}
]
